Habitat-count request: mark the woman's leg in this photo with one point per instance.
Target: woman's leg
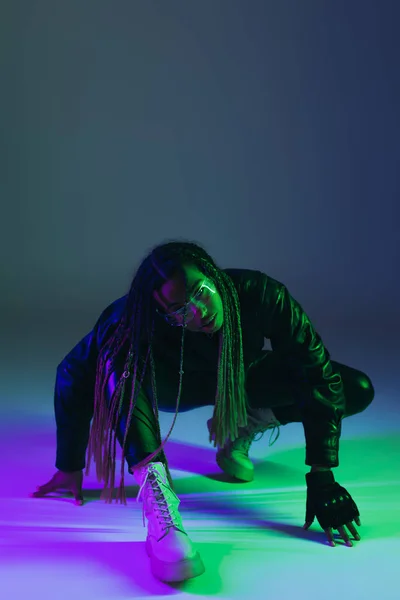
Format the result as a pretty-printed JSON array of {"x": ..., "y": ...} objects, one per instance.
[
  {"x": 143, "y": 437},
  {"x": 143, "y": 434},
  {"x": 198, "y": 389},
  {"x": 172, "y": 555},
  {"x": 269, "y": 386}
]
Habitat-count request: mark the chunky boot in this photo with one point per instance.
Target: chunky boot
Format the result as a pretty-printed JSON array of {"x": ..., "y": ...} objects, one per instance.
[
  {"x": 233, "y": 457},
  {"x": 171, "y": 552}
]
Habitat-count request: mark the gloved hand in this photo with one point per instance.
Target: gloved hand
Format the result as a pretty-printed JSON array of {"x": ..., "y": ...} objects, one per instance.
[{"x": 332, "y": 505}]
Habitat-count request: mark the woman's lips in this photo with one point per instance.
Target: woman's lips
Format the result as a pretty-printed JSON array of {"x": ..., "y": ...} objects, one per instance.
[{"x": 210, "y": 322}]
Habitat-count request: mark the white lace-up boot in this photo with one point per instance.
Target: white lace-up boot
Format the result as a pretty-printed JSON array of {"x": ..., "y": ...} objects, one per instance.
[
  {"x": 233, "y": 457},
  {"x": 171, "y": 552}
]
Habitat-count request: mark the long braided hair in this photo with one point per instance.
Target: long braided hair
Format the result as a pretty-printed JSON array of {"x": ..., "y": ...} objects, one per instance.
[{"x": 136, "y": 327}]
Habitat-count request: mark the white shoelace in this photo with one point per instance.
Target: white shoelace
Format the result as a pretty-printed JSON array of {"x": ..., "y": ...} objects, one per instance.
[
  {"x": 164, "y": 513},
  {"x": 276, "y": 429},
  {"x": 273, "y": 425},
  {"x": 247, "y": 441}
]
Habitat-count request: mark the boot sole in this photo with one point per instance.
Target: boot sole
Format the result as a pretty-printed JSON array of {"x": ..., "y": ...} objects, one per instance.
[
  {"x": 234, "y": 470},
  {"x": 168, "y": 572}
]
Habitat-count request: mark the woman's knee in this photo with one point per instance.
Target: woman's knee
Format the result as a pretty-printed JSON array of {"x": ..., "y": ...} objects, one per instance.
[
  {"x": 368, "y": 389},
  {"x": 361, "y": 394}
]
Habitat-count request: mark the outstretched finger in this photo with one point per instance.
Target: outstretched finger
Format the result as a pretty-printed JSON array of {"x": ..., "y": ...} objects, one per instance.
[
  {"x": 77, "y": 492},
  {"x": 78, "y": 499},
  {"x": 42, "y": 490},
  {"x": 353, "y": 531},
  {"x": 345, "y": 536},
  {"x": 329, "y": 535}
]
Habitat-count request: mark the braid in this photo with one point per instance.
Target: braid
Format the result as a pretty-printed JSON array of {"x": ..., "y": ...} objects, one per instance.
[
  {"x": 137, "y": 325},
  {"x": 231, "y": 398}
]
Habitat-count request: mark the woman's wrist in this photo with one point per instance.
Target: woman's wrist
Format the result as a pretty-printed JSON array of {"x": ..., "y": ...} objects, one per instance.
[{"x": 315, "y": 468}]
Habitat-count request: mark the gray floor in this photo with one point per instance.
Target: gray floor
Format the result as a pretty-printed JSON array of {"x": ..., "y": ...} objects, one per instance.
[{"x": 249, "y": 535}]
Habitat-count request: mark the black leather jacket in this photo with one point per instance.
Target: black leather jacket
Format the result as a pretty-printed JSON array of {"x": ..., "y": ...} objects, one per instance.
[{"x": 267, "y": 311}]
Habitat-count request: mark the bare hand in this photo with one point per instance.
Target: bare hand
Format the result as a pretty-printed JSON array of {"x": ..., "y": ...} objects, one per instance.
[{"x": 60, "y": 482}]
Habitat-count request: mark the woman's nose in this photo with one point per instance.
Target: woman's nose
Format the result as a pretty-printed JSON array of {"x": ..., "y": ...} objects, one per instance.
[{"x": 201, "y": 312}]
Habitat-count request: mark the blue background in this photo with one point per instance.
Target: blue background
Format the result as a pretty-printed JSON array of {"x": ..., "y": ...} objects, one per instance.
[{"x": 267, "y": 131}]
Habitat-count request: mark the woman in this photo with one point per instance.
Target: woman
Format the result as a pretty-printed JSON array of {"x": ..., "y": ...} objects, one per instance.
[{"x": 145, "y": 354}]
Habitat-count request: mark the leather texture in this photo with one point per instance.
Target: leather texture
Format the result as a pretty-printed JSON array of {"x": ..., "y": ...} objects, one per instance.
[
  {"x": 268, "y": 311},
  {"x": 328, "y": 501}
]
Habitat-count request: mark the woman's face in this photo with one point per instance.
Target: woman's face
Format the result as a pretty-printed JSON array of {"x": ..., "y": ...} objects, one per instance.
[{"x": 205, "y": 301}]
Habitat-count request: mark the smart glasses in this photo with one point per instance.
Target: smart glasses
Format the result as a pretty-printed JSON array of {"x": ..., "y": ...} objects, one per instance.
[{"x": 186, "y": 314}]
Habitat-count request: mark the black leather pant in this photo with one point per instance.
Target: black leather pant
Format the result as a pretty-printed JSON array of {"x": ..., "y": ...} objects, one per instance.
[{"x": 268, "y": 385}]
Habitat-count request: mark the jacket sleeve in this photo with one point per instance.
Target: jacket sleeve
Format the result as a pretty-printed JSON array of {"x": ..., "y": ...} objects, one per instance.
[
  {"x": 74, "y": 395},
  {"x": 318, "y": 390}
]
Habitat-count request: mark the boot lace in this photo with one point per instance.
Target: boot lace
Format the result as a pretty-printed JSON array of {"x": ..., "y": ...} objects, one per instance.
[
  {"x": 155, "y": 496},
  {"x": 244, "y": 443}
]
